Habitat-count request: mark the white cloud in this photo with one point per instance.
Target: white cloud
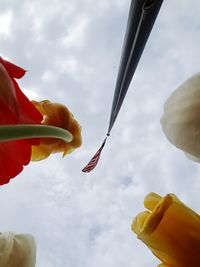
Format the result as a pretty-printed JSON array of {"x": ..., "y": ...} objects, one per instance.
[
  {"x": 5, "y": 22},
  {"x": 31, "y": 94},
  {"x": 48, "y": 76},
  {"x": 76, "y": 33}
]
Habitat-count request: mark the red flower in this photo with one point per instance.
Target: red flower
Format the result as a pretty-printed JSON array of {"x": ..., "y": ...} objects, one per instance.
[{"x": 15, "y": 108}]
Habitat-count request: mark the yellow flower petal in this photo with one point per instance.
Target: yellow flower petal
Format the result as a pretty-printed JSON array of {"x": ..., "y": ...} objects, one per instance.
[
  {"x": 156, "y": 216},
  {"x": 56, "y": 115},
  {"x": 138, "y": 222},
  {"x": 151, "y": 200},
  {"x": 171, "y": 231}
]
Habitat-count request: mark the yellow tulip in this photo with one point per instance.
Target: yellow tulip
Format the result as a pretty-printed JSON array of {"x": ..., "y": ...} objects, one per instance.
[
  {"x": 181, "y": 120},
  {"x": 170, "y": 229},
  {"x": 56, "y": 115}
]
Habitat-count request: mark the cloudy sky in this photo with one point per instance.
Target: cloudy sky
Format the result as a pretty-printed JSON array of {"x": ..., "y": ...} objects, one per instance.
[{"x": 71, "y": 50}]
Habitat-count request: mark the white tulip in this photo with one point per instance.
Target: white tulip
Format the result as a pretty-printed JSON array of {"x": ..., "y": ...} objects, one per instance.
[
  {"x": 17, "y": 250},
  {"x": 181, "y": 118}
]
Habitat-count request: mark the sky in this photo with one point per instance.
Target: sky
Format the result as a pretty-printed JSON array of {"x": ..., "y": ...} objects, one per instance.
[{"x": 72, "y": 50}]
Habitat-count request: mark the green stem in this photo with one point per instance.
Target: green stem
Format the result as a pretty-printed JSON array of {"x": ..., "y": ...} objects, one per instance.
[{"x": 26, "y": 131}]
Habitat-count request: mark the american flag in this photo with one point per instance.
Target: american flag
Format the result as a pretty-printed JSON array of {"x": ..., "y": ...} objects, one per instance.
[{"x": 93, "y": 162}]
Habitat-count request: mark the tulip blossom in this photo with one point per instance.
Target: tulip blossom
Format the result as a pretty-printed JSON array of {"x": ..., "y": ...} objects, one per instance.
[
  {"x": 15, "y": 108},
  {"x": 170, "y": 230},
  {"x": 181, "y": 119},
  {"x": 57, "y": 115},
  {"x": 22, "y": 120}
]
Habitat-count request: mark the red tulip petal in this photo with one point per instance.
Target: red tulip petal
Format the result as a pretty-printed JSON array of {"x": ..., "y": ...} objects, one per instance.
[
  {"x": 27, "y": 111},
  {"x": 7, "y": 89},
  {"x": 13, "y": 70},
  {"x": 13, "y": 156},
  {"x": 6, "y": 115},
  {"x": 23, "y": 108}
]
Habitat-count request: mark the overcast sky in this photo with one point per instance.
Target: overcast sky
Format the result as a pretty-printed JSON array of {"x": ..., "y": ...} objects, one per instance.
[{"x": 71, "y": 50}]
